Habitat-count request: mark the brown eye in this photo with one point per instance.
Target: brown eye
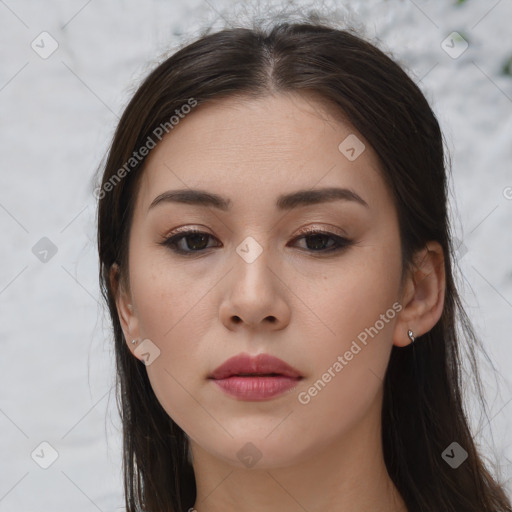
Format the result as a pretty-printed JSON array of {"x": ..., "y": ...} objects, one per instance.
[
  {"x": 318, "y": 241},
  {"x": 193, "y": 241}
]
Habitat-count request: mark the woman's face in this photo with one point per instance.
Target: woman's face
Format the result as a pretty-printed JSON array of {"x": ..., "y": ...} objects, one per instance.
[{"x": 255, "y": 284}]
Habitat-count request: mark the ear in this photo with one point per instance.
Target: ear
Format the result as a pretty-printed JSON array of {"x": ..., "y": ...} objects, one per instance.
[
  {"x": 422, "y": 297},
  {"x": 125, "y": 310}
]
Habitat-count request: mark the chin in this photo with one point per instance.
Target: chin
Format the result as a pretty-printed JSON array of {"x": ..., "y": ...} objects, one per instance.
[{"x": 261, "y": 454}]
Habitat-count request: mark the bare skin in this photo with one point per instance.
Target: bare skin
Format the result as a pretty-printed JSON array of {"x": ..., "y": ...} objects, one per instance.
[{"x": 324, "y": 452}]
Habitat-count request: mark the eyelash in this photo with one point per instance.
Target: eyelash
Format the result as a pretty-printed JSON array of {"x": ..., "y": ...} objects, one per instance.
[{"x": 340, "y": 242}]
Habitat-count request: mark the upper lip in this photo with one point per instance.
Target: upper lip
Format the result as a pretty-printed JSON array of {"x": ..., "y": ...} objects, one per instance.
[{"x": 262, "y": 364}]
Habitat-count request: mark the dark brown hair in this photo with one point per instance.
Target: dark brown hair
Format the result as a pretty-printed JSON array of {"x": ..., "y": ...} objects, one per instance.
[{"x": 423, "y": 410}]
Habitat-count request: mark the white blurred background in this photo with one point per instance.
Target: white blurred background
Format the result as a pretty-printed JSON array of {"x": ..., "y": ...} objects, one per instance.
[{"x": 57, "y": 115}]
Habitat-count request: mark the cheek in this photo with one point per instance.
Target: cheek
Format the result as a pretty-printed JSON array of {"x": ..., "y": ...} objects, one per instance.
[
  {"x": 355, "y": 291},
  {"x": 168, "y": 306},
  {"x": 174, "y": 312},
  {"x": 351, "y": 355},
  {"x": 355, "y": 312},
  {"x": 161, "y": 292}
]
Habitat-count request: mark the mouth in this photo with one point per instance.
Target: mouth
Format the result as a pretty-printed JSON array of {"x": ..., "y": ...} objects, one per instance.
[
  {"x": 255, "y": 378},
  {"x": 245, "y": 365}
]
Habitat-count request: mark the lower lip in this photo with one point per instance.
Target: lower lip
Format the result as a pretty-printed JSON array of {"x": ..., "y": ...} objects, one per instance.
[{"x": 256, "y": 388}]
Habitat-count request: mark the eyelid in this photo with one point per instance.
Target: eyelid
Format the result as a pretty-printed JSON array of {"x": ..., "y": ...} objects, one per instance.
[
  {"x": 187, "y": 228},
  {"x": 302, "y": 231},
  {"x": 328, "y": 231}
]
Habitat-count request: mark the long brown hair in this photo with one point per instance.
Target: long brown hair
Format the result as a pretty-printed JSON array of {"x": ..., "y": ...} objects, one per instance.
[{"x": 423, "y": 409}]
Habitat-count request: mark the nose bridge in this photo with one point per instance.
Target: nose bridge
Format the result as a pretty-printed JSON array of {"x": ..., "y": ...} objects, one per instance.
[
  {"x": 253, "y": 279},
  {"x": 252, "y": 262}
]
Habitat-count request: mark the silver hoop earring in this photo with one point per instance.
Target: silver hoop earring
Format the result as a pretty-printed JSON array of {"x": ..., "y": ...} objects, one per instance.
[{"x": 411, "y": 335}]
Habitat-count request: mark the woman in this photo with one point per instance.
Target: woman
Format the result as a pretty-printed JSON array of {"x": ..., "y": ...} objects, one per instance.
[{"x": 276, "y": 257}]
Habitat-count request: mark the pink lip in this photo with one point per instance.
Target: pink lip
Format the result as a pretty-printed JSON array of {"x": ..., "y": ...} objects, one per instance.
[{"x": 273, "y": 376}]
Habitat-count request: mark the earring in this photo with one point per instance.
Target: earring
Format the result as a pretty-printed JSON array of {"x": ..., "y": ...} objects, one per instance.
[
  {"x": 411, "y": 335},
  {"x": 135, "y": 341}
]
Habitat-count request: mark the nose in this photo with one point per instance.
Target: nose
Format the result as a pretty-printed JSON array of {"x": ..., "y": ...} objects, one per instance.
[{"x": 255, "y": 296}]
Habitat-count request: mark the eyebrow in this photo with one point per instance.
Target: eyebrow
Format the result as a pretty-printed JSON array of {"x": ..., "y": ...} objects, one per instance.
[{"x": 284, "y": 202}]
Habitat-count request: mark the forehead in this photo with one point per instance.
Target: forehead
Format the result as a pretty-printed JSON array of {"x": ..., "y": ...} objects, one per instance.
[{"x": 253, "y": 150}]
